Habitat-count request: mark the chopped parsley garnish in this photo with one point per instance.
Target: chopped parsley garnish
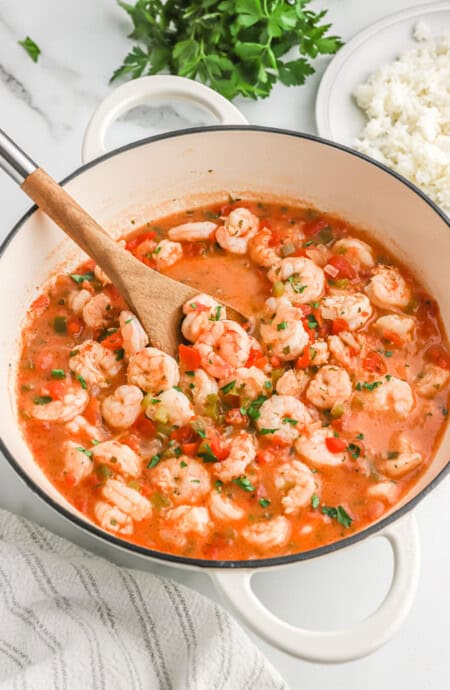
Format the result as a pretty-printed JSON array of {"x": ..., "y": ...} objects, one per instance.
[
  {"x": 368, "y": 386},
  {"x": 58, "y": 374},
  {"x": 296, "y": 284},
  {"x": 190, "y": 373},
  {"x": 244, "y": 483},
  {"x": 42, "y": 399},
  {"x": 338, "y": 514},
  {"x": 193, "y": 305},
  {"x": 268, "y": 385},
  {"x": 253, "y": 409},
  {"x": 120, "y": 354},
  {"x": 264, "y": 432},
  {"x": 360, "y": 437},
  {"x": 264, "y": 502},
  {"x": 216, "y": 314},
  {"x": 218, "y": 485},
  {"x": 393, "y": 454},
  {"x": 183, "y": 464},
  {"x": 78, "y": 278},
  {"x": 388, "y": 377},
  {"x": 315, "y": 500},
  {"x": 311, "y": 321},
  {"x": 207, "y": 454},
  {"x": 60, "y": 325},
  {"x": 153, "y": 461},
  {"x": 130, "y": 320},
  {"x": 87, "y": 452},
  {"x": 282, "y": 326},
  {"x": 82, "y": 381},
  {"x": 308, "y": 243},
  {"x": 288, "y": 420},
  {"x": 355, "y": 451},
  {"x": 228, "y": 387}
]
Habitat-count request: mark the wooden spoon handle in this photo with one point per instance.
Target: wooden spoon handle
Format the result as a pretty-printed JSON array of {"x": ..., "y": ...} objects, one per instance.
[{"x": 68, "y": 214}]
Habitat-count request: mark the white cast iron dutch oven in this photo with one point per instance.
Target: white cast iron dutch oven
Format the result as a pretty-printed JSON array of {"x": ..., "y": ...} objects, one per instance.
[{"x": 174, "y": 171}]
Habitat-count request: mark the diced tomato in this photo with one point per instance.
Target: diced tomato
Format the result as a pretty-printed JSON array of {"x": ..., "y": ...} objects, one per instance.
[
  {"x": 44, "y": 361},
  {"x": 374, "y": 363},
  {"x": 185, "y": 434},
  {"x": 275, "y": 361},
  {"x": 193, "y": 249},
  {"x": 113, "y": 294},
  {"x": 189, "y": 356},
  {"x": 136, "y": 241},
  {"x": 75, "y": 325},
  {"x": 304, "y": 360},
  {"x": 271, "y": 453},
  {"x": 220, "y": 450},
  {"x": 235, "y": 417},
  {"x": 40, "y": 303},
  {"x": 314, "y": 227},
  {"x": 335, "y": 445},
  {"x": 438, "y": 356},
  {"x": 300, "y": 251},
  {"x": 343, "y": 266},
  {"x": 393, "y": 338},
  {"x": 92, "y": 412},
  {"x": 190, "y": 448},
  {"x": 338, "y": 326},
  {"x": 306, "y": 309},
  {"x": 81, "y": 502},
  {"x": 256, "y": 359},
  {"x": 145, "y": 426},
  {"x": 56, "y": 389},
  {"x": 114, "y": 341}
]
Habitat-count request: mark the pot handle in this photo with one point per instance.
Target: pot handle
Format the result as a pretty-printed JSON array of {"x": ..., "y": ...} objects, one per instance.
[
  {"x": 144, "y": 90},
  {"x": 341, "y": 645}
]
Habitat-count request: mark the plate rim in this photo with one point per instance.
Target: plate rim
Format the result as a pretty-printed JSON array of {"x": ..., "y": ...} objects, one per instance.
[{"x": 322, "y": 104}]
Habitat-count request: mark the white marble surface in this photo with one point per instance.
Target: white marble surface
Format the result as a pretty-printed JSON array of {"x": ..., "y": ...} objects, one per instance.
[{"x": 46, "y": 107}]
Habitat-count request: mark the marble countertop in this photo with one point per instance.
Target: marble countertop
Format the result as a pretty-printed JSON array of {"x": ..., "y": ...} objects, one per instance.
[{"x": 45, "y": 107}]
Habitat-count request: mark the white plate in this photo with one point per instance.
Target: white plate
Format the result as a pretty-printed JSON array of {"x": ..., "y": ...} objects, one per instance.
[{"x": 337, "y": 116}]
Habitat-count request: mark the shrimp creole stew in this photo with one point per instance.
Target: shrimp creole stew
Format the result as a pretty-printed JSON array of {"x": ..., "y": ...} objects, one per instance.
[{"x": 279, "y": 435}]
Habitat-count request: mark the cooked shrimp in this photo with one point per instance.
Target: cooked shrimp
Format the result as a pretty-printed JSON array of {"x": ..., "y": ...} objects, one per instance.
[
  {"x": 401, "y": 326},
  {"x": 406, "y": 459},
  {"x": 390, "y": 395},
  {"x": 356, "y": 251},
  {"x": 112, "y": 518},
  {"x": 388, "y": 289},
  {"x": 285, "y": 416},
  {"x": 312, "y": 447},
  {"x": 128, "y": 500},
  {"x": 285, "y": 335},
  {"x": 77, "y": 461},
  {"x": 95, "y": 364},
  {"x": 355, "y": 309},
  {"x": 198, "y": 231},
  {"x": 200, "y": 384},
  {"x": 275, "y": 532},
  {"x": 223, "y": 508},
  {"x": 80, "y": 425},
  {"x": 223, "y": 347},
  {"x": 182, "y": 480},
  {"x": 297, "y": 483},
  {"x": 319, "y": 353},
  {"x": 330, "y": 386},
  {"x": 200, "y": 312},
  {"x": 185, "y": 520},
  {"x": 101, "y": 276},
  {"x": 121, "y": 409},
  {"x": 249, "y": 382},
  {"x": 73, "y": 403},
  {"x": 293, "y": 382},
  {"x": 238, "y": 228},
  {"x": 170, "y": 407},
  {"x": 242, "y": 453},
  {"x": 431, "y": 380},
  {"x": 167, "y": 253},
  {"x": 77, "y": 300},
  {"x": 133, "y": 335},
  {"x": 345, "y": 348},
  {"x": 260, "y": 250},
  {"x": 304, "y": 280},
  {"x": 153, "y": 370},
  {"x": 387, "y": 491},
  {"x": 119, "y": 456},
  {"x": 96, "y": 311},
  {"x": 319, "y": 254}
]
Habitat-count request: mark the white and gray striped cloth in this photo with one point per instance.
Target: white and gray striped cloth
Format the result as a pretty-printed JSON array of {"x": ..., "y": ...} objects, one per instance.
[{"x": 72, "y": 621}]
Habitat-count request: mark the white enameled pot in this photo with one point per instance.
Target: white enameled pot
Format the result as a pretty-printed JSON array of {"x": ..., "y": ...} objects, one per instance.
[{"x": 179, "y": 170}]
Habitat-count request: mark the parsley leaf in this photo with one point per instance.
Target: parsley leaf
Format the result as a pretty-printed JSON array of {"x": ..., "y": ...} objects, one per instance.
[
  {"x": 244, "y": 483},
  {"x": 338, "y": 514},
  {"x": 238, "y": 47},
  {"x": 31, "y": 47}
]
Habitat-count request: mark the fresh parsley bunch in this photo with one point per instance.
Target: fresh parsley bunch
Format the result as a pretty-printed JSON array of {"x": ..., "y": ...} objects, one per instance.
[{"x": 235, "y": 46}]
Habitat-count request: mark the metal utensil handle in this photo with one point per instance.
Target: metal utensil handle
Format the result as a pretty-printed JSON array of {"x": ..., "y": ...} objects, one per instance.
[{"x": 13, "y": 160}]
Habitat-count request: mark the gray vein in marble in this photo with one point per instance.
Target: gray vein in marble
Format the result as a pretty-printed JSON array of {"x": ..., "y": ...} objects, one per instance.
[{"x": 18, "y": 89}]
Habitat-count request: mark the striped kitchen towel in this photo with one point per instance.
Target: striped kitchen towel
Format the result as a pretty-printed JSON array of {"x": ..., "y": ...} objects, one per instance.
[{"x": 72, "y": 621}]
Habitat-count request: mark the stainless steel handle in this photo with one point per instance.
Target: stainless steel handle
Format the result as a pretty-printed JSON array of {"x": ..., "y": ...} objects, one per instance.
[{"x": 13, "y": 160}]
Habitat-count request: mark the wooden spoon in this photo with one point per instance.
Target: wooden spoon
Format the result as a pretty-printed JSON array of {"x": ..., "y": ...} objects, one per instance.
[{"x": 154, "y": 298}]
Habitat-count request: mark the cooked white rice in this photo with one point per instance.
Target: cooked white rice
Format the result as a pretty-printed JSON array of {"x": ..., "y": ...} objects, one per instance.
[{"x": 407, "y": 104}]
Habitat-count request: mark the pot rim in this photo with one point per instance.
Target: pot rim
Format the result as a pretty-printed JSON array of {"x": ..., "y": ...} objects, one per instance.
[{"x": 262, "y": 563}]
